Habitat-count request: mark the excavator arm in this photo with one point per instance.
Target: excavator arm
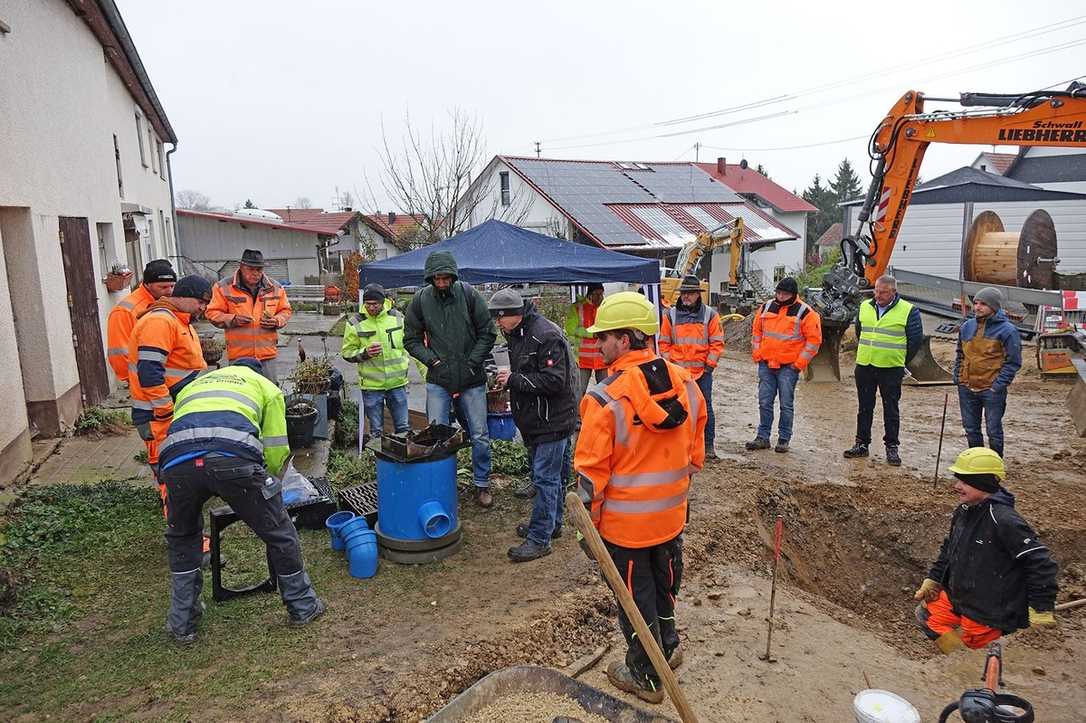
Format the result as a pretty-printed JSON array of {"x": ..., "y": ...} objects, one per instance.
[{"x": 1042, "y": 118}]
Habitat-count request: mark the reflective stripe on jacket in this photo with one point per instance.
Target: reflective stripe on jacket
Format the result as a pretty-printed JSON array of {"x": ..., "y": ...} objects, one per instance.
[
  {"x": 121, "y": 321},
  {"x": 585, "y": 346},
  {"x": 167, "y": 356},
  {"x": 229, "y": 299},
  {"x": 692, "y": 338},
  {"x": 642, "y": 435},
  {"x": 233, "y": 410},
  {"x": 388, "y": 370},
  {"x": 786, "y": 334},
  {"x": 883, "y": 342}
]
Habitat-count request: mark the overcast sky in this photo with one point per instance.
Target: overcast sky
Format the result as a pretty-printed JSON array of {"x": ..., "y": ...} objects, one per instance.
[{"x": 272, "y": 100}]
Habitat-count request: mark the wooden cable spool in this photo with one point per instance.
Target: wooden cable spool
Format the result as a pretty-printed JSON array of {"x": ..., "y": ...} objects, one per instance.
[{"x": 996, "y": 256}]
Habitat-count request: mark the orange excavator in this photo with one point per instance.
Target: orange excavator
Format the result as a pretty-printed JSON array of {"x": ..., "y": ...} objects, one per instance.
[{"x": 897, "y": 147}]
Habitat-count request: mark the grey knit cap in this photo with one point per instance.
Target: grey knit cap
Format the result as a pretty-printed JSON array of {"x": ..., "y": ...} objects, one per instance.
[
  {"x": 991, "y": 297},
  {"x": 506, "y": 302}
]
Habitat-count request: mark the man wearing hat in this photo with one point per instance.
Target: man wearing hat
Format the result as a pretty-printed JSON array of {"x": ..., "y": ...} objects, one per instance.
[
  {"x": 585, "y": 347},
  {"x": 786, "y": 336},
  {"x": 691, "y": 337},
  {"x": 993, "y": 576},
  {"x": 540, "y": 383},
  {"x": 251, "y": 308},
  {"x": 158, "y": 280},
  {"x": 989, "y": 355},
  {"x": 374, "y": 340}
]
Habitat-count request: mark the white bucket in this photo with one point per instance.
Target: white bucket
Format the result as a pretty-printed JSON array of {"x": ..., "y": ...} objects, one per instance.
[{"x": 882, "y": 706}]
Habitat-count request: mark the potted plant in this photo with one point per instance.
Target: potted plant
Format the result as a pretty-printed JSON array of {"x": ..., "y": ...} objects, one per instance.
[
  {"x": 312, "y": 375},
  {"x": 301, "y": 420},
  {"x": 118, "y": 277}
]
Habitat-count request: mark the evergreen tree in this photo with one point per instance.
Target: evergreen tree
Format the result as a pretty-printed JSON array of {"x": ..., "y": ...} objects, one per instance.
[
  {"x": 846, "y": 184},
  {"x": 249, "y": 204},
  {"x": 761, "y": 169},
  {"x": 825, "y": 201}
]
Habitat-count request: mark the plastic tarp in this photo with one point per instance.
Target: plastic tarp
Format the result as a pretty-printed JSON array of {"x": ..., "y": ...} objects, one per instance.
[{"x": 499, "y": 253}]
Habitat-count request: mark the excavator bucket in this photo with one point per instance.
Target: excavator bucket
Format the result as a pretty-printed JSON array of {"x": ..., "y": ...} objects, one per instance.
[
  {"x": 924, "y": 371},
  {"x": 826, "y": 365}
]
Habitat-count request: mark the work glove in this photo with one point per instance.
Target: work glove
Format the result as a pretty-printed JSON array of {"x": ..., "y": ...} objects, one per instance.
[
  {"x": 929, "y": 591},
  {"x": 1037, "y": 619},
  {"x": 583, "y": 544},
  {"x": 144, "y": 430}
]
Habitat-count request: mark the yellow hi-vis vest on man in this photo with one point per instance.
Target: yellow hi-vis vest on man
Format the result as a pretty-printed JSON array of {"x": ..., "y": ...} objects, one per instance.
[
  {"x": 233, "y": 411},
  {"x": 387, "y": 370},
  {"x": 882, "y": 340}
]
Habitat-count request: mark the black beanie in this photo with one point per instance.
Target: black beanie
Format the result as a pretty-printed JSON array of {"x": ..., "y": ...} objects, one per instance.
[
  {"x": 192, "y": 287},
  {"x": 983, "y": 482},
  {"x": 373, "y": 292},
  {"x": 788, "y": 285},
  {"x": 158, "y": 270}
]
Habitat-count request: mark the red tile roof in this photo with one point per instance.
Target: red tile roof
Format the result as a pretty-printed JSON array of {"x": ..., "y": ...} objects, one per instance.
[
  {"x": 997, "y": 163},
  {"x": 253, "y": 220},
  {"x": 317, "y": 218},
  {"x": 749, "y": 181},
  {"x": 832, "y": 236},
  {"x": 403, "y": 223}
]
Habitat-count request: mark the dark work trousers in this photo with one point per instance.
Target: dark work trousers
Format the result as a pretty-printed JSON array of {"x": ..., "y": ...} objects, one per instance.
[
  {"x": 887, "y": 381},
  {"x": 652, "y": 575},
  {"x": 242, "y": 485}
]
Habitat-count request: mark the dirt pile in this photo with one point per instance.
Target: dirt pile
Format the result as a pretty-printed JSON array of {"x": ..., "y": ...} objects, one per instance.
[
  {"x": 737, "y": 333},
  {"x": 534, "y": 708}
]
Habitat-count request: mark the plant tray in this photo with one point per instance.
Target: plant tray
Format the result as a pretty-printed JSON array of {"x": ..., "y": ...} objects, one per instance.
[
  {"x": 362, "y": 499},
  {"x": 312, "y": 513}
]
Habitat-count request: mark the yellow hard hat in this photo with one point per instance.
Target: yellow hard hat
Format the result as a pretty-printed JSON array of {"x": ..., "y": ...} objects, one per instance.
[
  {"x": 979, "y": 460},
  {"x": 625, "y": 310}
]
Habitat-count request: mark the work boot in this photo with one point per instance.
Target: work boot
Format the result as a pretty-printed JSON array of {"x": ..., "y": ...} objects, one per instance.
[
  {"x": 922, "y": 616},
  {"x": 522, "y": 531},
  {"x": 892, "y": 457},
  {"x": 483, "y": 497},
  {"x": 303, "y": 605},
  {"x": 758, "y": 443},
  {"x": 857, "y": 450},
  {"x": 676, "y": 658},
  {"x": 621, "y": 677},
  {"x": 948, "y": 642},
  {"x": 525, "y": 490},
  {"x": 528, "y": 551},
  {"x": 782, "y": 446},
  {"x": 185, "y": 610}
]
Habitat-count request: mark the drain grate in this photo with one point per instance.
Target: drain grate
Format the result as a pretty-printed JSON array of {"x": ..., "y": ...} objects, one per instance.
[{"x": 362, "y": 499}]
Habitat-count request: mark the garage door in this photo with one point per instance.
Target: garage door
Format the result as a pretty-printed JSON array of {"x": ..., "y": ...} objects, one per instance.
[{"x": 274, "y": 268}]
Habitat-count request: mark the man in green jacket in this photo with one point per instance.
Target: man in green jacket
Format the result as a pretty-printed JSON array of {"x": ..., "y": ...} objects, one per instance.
[
  {"x": 448, "y": 328},
  {"x": 374, "y": 341}
]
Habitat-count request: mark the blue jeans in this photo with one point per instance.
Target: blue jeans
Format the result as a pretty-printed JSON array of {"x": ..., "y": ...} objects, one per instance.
[
  {"x": 705, "y": 384},
  {"x": 372, "y": 412},
  {"x": 771, "y": 384},
  {"x": 471, "y": 406},
  {"x": 992, "y": 405},
  {"x": 548, "y": 505}
]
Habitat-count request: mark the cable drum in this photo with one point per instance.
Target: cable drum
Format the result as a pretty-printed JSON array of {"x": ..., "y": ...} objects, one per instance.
[{"x": 993, "y": 255}]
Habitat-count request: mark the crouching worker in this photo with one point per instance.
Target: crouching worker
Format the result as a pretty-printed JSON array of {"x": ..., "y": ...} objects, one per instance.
[
  {"x": 993, "y": 575},
  {"x": 642, "y": 436},
  {"x": 228, "y": 436}
]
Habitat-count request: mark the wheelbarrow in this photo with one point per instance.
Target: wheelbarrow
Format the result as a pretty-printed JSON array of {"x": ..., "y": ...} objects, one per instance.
[{"x": 521, "y": 679}]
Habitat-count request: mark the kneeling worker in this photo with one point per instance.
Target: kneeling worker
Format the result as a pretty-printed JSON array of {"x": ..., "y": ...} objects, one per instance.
[
  {"x": 993, "y": 575},
  {"x": 229, "y": 433},
  {"x": 642, "y": 435}
]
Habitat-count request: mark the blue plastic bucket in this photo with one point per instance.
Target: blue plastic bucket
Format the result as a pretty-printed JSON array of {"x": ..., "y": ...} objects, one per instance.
[
  {"x": 362, "y": 553},
  {"x": 334, "y": 523},
  {"x": 404, "y": 487},
  {"x": 500, "y": 426}
]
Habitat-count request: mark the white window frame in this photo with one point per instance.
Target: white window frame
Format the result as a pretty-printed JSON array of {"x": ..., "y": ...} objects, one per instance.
[{"x": 139, "y": 138}]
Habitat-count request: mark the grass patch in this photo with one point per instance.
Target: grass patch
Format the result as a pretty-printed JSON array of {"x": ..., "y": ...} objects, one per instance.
[
  {"x": 346, "y": 432},
  {"x": 100, "y": 421}
]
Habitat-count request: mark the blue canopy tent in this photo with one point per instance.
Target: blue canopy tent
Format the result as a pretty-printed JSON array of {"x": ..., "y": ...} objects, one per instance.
[{"x": 500, "y": 253}]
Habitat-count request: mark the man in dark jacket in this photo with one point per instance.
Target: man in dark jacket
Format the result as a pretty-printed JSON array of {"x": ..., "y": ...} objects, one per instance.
[
  {"x": 540, "y": 382},
  {"x": 448, "y": 328},
  {"x": 993, "y": 575},
  {"x": 889, "y": 332},
  {"x": 989, "y": 355}
]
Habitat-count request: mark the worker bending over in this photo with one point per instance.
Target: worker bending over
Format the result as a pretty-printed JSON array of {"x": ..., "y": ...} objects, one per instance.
[
  {"x": 642, "y": 435},
  {"x": 229, "y": 433},
  {"x": 158, "y": 281},
  {"x": 993, "y": 575},
  {"x": 691, "y": 337}
]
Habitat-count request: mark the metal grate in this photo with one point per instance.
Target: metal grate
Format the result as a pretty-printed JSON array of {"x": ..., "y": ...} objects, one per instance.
[{"x": 362, "y": 499}]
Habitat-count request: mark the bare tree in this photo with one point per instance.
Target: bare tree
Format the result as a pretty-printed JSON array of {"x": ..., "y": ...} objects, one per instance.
[
  {"x": 302, "y": 202},
  {"x": 431, "y": 179},
  {"x": 193, "y": 200}
]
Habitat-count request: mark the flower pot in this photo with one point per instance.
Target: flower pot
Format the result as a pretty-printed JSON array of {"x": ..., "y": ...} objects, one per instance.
[
  {"x": 300, "y": 428},
  {"x": 117, "y": 282}
]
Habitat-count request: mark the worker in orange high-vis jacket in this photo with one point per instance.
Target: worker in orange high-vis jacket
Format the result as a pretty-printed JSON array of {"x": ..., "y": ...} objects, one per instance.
[
  {"x": 167, "y": 354},
  {"x": 691, "y": 337},
  {"x": 786, "y": 336},
  {"x": 158, "y": 280},
  {"x": 642, "y": 435},
  {"x": 251, "y": 308},
  {"x": 582, "y": 314}
]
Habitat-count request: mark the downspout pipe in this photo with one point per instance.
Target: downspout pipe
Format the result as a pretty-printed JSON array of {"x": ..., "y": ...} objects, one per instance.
[{"x": 173, "y": 211}]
